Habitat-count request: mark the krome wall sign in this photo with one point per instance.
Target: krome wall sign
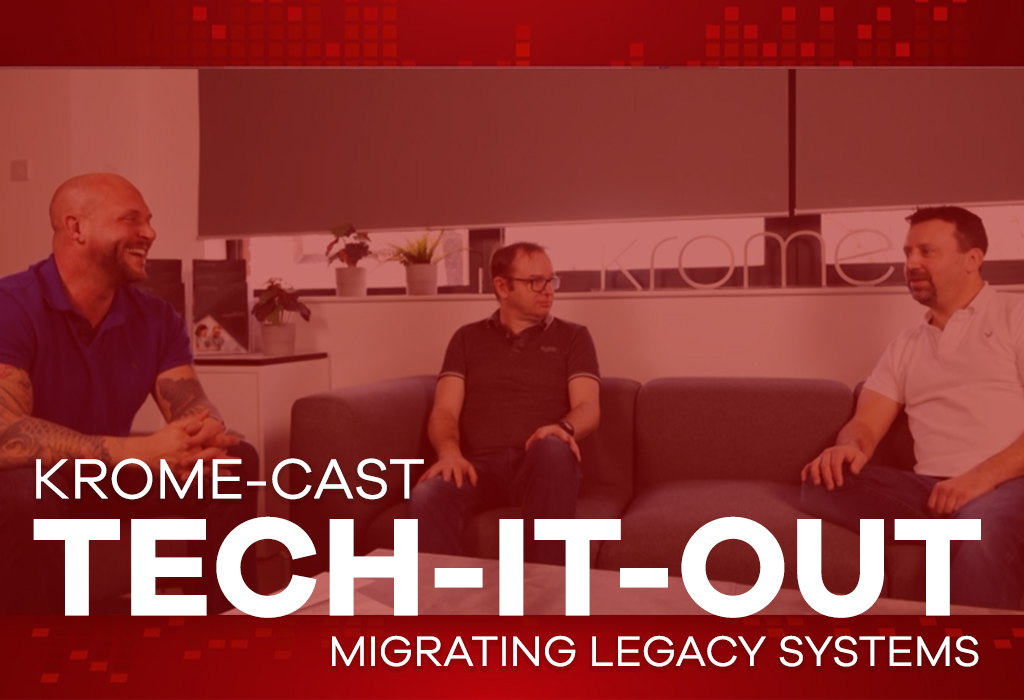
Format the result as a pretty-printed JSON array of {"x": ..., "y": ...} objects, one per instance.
[{"x": 838, "y": 258}]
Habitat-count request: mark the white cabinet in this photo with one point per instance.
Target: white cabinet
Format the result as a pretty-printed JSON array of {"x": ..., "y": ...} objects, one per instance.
[{"x": 254, "y": 394}]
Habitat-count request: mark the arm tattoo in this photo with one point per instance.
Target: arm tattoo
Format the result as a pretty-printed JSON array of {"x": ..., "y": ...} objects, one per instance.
[
  {"x": 29, "y": 439},
  {"x": 15, "y": 391},
  {"x": 24, "y": 439},
  {"x": 184, "y": 397}
]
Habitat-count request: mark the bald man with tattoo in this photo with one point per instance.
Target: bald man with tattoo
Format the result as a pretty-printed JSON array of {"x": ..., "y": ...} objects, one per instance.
[{"x": 81, "y": 348}]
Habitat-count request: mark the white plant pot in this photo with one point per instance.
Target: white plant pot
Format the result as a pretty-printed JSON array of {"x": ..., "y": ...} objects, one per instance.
[
  {"x": 278, "y": 338},
  {"x": 351, "y": 281},
  {"x": 421, "y": 278}
]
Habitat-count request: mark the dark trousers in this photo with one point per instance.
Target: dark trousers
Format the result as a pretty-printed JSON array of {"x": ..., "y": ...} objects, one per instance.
[
  {"x": 32, "y": 572},
  {"x": 988, "y": 572},
  {"x": 544, "y": 480}
]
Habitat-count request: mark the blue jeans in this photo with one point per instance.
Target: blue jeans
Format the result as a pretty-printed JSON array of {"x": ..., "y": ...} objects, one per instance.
[
  {"x": 988, "y": 572},
  {"x": 32, "y": 572},
  {"x": 544, "y": 480}
]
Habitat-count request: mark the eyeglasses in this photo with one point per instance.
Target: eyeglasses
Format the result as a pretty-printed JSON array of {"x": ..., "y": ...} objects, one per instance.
[{"x": 537, "y": 284}]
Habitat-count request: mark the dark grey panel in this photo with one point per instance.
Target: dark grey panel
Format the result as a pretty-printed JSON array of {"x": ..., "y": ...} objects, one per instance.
[
  {"x": 290, "y": 151},
  {"x": 905, "y": 137}
]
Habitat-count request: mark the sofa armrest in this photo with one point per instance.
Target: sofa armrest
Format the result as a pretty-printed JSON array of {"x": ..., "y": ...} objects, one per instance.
[{"x": 384, "y": 420}]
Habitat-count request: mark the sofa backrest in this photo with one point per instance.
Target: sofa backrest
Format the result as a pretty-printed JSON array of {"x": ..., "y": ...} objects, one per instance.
[
  {"x": 896, "y": 449},
  {"x": 735, "y": 428},
  {"x": 608, "y": 451}
]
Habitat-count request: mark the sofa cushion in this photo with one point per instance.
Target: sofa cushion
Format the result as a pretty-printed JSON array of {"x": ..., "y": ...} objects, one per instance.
[
  {"x": 706, "y": 428},
  {"x": 659, "y": 522}
]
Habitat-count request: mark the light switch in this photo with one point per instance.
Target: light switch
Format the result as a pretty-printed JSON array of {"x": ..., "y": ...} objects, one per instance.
[{"x": 19, "y": 171}]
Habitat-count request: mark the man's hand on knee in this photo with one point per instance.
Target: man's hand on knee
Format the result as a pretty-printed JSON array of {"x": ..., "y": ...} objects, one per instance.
[
  {"x": 827, "y": 468},
  {"x": 558, "y": 432},
  {"x": 950, "y": 495},
  {"x": 451, "y": 466}
]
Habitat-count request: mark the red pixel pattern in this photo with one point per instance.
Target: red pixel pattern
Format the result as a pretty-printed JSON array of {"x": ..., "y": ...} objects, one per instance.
[{"x": 513, "y": 33}]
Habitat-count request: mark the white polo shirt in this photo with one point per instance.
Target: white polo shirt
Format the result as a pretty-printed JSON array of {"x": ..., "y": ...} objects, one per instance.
[{"x": 962, "y": 386}]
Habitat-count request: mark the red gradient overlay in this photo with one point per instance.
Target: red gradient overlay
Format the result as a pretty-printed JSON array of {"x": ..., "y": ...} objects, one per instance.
[
  {"x": 245, "y": 657},
  {"x": 510, "y": 32}
]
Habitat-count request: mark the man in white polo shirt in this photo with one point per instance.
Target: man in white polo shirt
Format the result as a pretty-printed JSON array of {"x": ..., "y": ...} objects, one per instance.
[{"x": 959, "y": 375}]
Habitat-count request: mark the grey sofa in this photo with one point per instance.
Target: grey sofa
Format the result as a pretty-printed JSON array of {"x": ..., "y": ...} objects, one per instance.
[{"x": 669, "y": 456}]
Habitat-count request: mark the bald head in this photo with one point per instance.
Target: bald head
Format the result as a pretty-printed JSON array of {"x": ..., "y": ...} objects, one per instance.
[
  {"x": 80, "y": 196},
  {"x": 101, "y": 229}
]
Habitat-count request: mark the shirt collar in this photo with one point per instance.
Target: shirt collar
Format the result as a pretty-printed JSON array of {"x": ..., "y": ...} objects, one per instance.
[
  {"x": 118, "y": 310},
  {"x": 982, "y": 298},
  {"x": 53, "y": 287},
  {"x": 56, "y": 296},
  {"x": 976, "y": 305},
  {"x": 494, "y": 321}
]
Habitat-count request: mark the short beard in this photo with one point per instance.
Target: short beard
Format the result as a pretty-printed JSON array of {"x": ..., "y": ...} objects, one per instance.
[
  {"x": 120, "y": 270},
  {"x": 925, "y": 297}
]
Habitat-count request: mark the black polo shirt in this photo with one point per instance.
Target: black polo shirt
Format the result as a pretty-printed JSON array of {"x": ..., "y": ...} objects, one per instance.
[{"x": 516, "y": 383}]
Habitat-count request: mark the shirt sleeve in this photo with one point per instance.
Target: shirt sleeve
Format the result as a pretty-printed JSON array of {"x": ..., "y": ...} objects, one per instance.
[
  {"x": 455, "y": 357},
  {"x": 175, "y": 350},
  {"x": 583, "y": 356},
  {"x": 18, "y": 339},
  {"x": 888, "y": 377}
]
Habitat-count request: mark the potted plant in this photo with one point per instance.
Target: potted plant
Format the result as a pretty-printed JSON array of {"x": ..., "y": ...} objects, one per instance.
[
  {"x": 352, "y": 246},
  {"x": 420, "y": 258},
  {"x": 273, "y": 308}
]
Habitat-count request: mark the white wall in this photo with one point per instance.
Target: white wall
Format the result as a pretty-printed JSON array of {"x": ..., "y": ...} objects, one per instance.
[
  {"x": 35, "y": 124},
  {"x": 806, "y": 333},
  {"x": 143, "y": 124}
]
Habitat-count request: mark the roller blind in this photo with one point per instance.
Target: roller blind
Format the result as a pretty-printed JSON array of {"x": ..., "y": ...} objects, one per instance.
[
  {"x": 294, "y": 151},
  {"x": 903, "y": 137}
]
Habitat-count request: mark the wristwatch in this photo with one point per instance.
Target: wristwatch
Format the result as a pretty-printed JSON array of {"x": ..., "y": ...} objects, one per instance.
[{"x": 567, "y": 427}]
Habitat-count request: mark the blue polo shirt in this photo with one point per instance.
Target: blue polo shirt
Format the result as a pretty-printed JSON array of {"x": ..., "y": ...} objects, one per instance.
[{"x": 92, "y": 381}]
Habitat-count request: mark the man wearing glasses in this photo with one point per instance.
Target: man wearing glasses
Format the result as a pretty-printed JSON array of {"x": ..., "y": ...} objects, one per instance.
[{"x": 515, "y": 394}]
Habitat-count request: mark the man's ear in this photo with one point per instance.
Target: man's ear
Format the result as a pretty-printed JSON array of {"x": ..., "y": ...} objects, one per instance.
[
  {"x": 974, "y": 259},
  {"x": 73, "y": 228},
  {"x": 501, "y": 287}
]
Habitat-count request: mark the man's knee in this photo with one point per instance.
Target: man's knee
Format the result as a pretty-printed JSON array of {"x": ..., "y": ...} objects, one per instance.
[
  {"x": 815, "y": 498},
  {"x": 250, "y": 467},
  {"x": 551, "y": 471},
  {"x": 436, "y": 493},
  {"x": 550, "y": 448},
  {"x": 554, "y": 458},
  {"x": 844, "y": 505},
  {"x": 818, "y": 498},
  {"x": 237, "y": 510},
  {"x": 18, "y": 497}
]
